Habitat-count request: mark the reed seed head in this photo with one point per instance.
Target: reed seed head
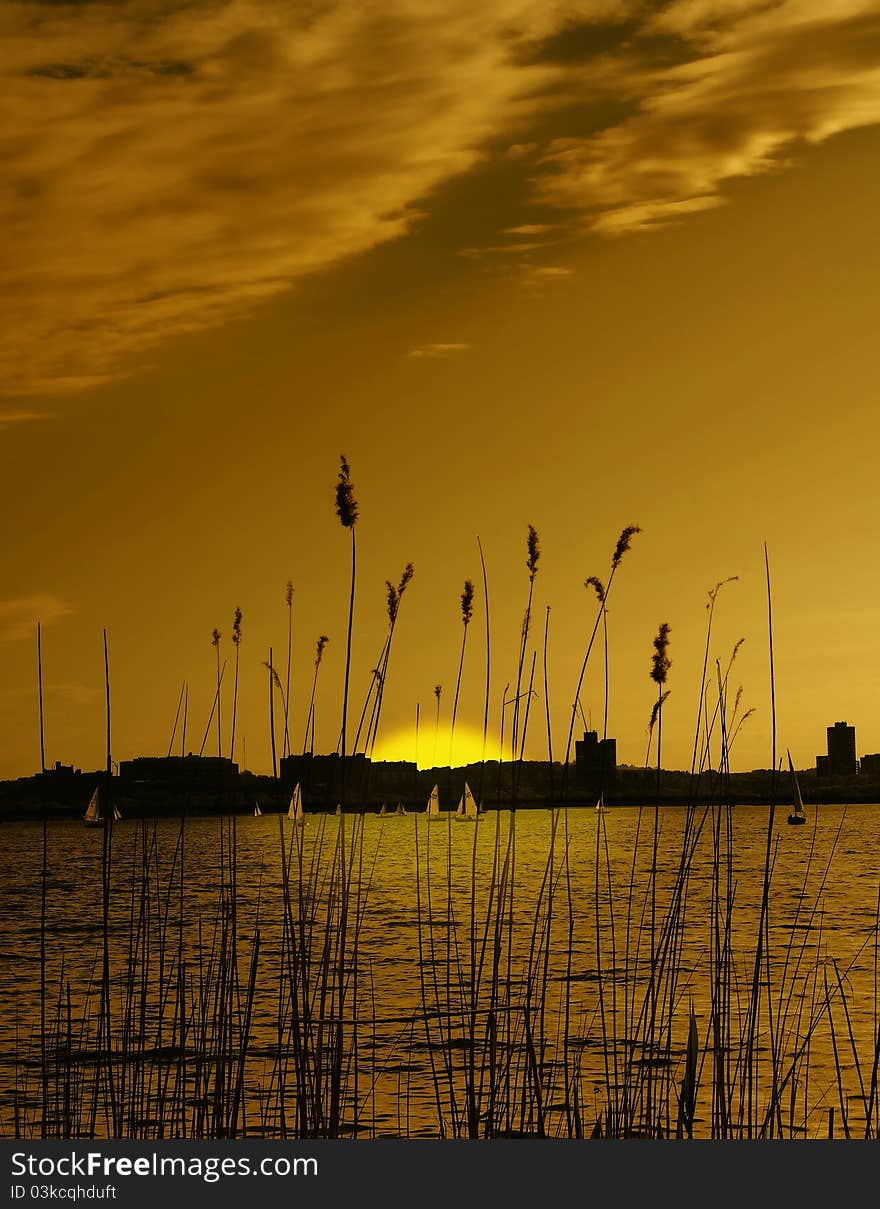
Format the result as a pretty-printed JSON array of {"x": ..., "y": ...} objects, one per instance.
[
  {"x": 534, "y": 552},
  {"x": 438, "y": 689},
  {"x": 319, "y": 650},
  {"x": 408, "y": 572},
  {"x": 392, "y": 601},
  {"x": 236, "y": 627},
  {"x": 596, "y": 584},
  {"x": 623, "y": 544},
  {"x": 713, "y": 592},
  {"x": 660, "y": 663},
  {"x": 467, "y": 602},
  {"x": 655, "y": 711},
  {"x": 276, "y": 679},
  {"x": 215, "y": 638},
  {"x": 346, "y": 505},
  {"x": 288, "y": 594}
]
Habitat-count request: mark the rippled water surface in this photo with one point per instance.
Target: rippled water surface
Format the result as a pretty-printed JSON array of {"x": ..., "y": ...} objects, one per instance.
[{"x": 414, "y": 957}]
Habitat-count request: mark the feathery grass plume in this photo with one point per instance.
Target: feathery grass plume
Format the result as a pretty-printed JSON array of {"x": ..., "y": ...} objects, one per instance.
[
  {"x": 593, "y": 581},
  {"x": 236, "y": 642},
  {"x": 713, "y": 592},
  {"x": 392, "y": 601},
  {"x": 215, "y": 643},
  {"x": 346, "y": 505},
  {"x": 655, "y": 710},
  {"x": 660, "y": 662},
  {"x": 276, "y": 679},
  {"x": 408, "y": 572},
  {"x": 623, "y": 544},
  {"x": 319, "y": 649},
  {"x": 534, "y": 549},
  {"x": 288, "y": 595},
  {"x": 467, "y": 602}
]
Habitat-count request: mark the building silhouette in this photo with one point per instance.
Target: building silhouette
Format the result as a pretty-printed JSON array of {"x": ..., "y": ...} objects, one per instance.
[
  {"x": 841, "y": 758},
  {"x": 595, "y": 760},
  {"x": 869, "y": 766}
]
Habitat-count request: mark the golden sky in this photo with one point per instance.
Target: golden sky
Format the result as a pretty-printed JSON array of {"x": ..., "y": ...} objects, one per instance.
[{"x": 576, "y": 265}]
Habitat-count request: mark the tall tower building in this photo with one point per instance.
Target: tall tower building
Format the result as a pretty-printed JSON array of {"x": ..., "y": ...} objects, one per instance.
[{"x": 841, "y": 759}]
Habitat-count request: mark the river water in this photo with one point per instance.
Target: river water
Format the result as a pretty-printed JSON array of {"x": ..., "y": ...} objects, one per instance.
[{"x": 558, "y": 1022}]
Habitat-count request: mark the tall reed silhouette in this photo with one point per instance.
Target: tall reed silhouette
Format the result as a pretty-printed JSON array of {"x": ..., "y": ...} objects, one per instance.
[
  {"x": 288, "y": 598},
  {"x": 215, "y": 643},
  {"x": 236, "y": 642},
  {"x": 660, "y": 665},
  {"x": 274, "y": 684},
  {"x": 438, "y": 689},
  {"x": 467, "y": 612},
  {"x": 534, "y": 554},
  {"x": 347, "y": 511},
  {"x": 376, "y": 688},
  {"x": 309, "y": 740},
  {"x": 623, "y": 545},
  {"x": 393, "y": 598}
]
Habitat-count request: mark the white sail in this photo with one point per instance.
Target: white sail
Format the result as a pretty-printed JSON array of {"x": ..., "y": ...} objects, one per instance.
[
  {"x": 295, "y": 809},
  {"x": 339, "y": 808},
  {"x": 600, "y": 805},
  {"x": 467, "y": 806},
  {"x": 117, "y": 813},
  {"x": 432, "y": 810},
  {"x": 93, "y": 810},
  {"x": 383, "y": 810},
  {"x": 257, "y": 811},
  {"x": 401, "y": 809}
]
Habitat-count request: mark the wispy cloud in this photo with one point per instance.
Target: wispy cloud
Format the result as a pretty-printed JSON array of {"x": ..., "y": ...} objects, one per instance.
[
  {"x": 438, "y": 350},
  {"x": 19, "y": 617},
  {"x": 533, "y": 275},
  {"x": 11, "y": 416},
  {"x": 750, "y": 82},
  {"x": 170, "y": 165},
  {"x": 167, "y": 167}
]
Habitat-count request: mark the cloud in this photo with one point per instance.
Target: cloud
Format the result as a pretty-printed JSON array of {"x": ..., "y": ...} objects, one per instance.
[
  {"x": 19, "y": 617},
  {"x": 438, "y": 350},
  {"x": 751, "y": 81},
  {"x": 533, "y": 276},
  {"x": 167, "y": 166},
  {"x": 11, "y": 416}
]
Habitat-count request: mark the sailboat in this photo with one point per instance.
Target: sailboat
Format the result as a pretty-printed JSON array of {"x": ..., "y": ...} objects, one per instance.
[
  {"x": 339, "y": 808},
  {"x": 401, "y": 809},
  {"x": 257, "y": 812},
  {"x": 600, "y": 805},
  {"x": 94, "y": 815},
  {"x": 432, "y": 810},
  {"x": 383, "y": 811},
  {"x": 467, "y": 807},
  {"x": 295, "y": 809},
  {"x": 798, "y": 815}
]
